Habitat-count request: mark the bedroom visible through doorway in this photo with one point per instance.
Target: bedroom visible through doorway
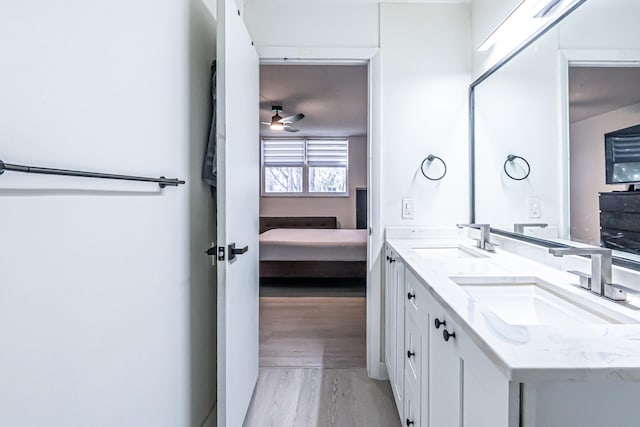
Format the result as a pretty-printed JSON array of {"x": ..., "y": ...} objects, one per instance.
[
  {"x": 313, "y": 244},
  {"x": 313, "y": 241}
]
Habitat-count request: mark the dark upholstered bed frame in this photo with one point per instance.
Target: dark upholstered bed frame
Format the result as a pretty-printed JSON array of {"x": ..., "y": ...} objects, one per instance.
[{"x": 316, "y": 269}]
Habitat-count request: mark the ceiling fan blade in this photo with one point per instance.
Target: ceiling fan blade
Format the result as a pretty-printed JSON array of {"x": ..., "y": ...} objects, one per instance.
[
  {"x": 265, "y": 123},
  {"x": 292, "y": 119},
  {"x": 290, "y": 129}
]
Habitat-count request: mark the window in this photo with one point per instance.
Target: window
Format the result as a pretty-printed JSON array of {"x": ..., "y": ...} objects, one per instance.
[{"x": 305, "y": 167}]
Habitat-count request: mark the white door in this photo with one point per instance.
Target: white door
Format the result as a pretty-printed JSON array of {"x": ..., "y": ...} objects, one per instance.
[{"x": 238, "y": 186}]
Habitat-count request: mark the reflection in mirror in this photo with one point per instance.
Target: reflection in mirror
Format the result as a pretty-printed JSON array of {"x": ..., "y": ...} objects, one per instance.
[{"x": 552, "y": 104}]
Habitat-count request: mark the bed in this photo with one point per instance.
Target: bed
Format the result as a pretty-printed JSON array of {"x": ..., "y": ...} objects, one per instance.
[{"x": 311, "y": 247}]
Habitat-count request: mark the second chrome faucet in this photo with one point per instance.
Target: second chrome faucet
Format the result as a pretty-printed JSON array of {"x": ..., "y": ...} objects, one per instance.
[
  {"x": 600, "y": 281},
  {"x": 485, "y": 235}
]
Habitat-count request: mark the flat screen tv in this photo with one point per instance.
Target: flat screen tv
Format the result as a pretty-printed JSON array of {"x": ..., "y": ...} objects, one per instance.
[{"x": 622, "y": 152}]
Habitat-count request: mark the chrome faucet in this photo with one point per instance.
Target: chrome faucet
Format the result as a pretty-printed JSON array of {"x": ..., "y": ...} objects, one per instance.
[
  {"x": 600, "y": 281},
  {"x": 485, "y": 234}
]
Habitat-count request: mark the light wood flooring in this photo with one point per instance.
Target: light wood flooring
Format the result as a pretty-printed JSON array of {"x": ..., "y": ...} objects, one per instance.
[
  {"x": 315, "y": 397},
  {"x": 313, "y": 374},
  {"x": 313, "y": 332}
]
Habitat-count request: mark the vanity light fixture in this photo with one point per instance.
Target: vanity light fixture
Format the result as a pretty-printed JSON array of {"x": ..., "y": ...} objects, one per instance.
[
  {"x": 526, "y": 20},
  {"x": 546, "y": 9}
]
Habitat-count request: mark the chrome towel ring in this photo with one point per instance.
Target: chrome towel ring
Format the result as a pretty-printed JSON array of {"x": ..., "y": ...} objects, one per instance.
[
  {"x": 430, "y": 158},
  {"x": 512, "y": 158}
]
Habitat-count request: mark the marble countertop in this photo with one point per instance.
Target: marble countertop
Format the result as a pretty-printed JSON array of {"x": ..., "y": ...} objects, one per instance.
[{"x": 523, "y": 353}]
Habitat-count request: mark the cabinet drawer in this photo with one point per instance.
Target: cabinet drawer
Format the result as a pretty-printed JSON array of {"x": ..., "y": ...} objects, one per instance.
[
  {"x": 416, "y": 296},
  {"x": 413, "y": 348},
  {"x": 620, "y": 202},
  {"x": 412, "y": 406}
]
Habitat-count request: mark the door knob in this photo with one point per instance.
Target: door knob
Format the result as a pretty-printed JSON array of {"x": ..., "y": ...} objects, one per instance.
[
  {"x": 409, "y": 422},
  {"x": 439, "y": 323},
  {"x": 233, "y": 251},
  {"x": 410, "y": 354},
  {"x": 410, "y": 295},
  {"x": 447, "y": 335}
]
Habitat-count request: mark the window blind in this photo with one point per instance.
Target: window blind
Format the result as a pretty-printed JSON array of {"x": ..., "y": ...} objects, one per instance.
[
  {"x": 327, "y": 152},
  {"x": 283, "y": 152}
]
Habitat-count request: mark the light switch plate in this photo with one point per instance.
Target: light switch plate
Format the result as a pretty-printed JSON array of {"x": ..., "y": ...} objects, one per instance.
[
  {"x": 534, "y": 208},
  {"x": 408, "y": 208}
]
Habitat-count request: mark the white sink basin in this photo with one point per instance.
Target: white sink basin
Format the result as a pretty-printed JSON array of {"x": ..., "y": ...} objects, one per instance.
[
  {"x": 538, "y": 303},
  {"x": 452, "y": 252}
]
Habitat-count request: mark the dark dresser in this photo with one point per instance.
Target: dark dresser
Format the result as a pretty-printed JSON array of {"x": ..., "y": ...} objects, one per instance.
[{"x": 620, "y": 221}]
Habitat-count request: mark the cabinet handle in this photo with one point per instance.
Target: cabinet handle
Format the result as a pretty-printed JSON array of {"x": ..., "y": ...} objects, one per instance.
[
  {"x": 411, "y": 296},
  {"x": 410, "y": 354},
  {"x": 439, "y": 323},
  {"x": 388, "y": 258},
  {"x": 409, "y": 422},
  {"x": 392, "y": 260},
  {"x": 446, "y": 335}
]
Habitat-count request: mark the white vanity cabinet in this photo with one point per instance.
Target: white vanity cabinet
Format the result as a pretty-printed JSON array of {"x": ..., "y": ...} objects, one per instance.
[
  {"x": 439, "y": 378},
  {"x": 453, "y": 363},
  {"x": 394, "y": 324},
  {"x": 466, "y": 389}
]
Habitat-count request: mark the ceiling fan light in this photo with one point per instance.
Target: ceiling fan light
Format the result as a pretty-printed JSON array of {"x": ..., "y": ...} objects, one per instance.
[{"x": 276, "y": 126}]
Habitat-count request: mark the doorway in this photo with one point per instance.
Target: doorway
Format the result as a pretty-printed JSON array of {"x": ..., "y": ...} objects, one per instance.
[
  {"x": 313, "y": 250},
  {"x": 313, "y": 146}
]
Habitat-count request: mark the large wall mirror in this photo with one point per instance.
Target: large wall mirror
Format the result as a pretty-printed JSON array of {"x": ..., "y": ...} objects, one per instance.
[{"x": 542, "y": 121}]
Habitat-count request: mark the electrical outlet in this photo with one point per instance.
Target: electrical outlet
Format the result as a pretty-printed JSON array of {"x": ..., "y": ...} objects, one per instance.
[
  {"x": 534, "y": 208},
  {"x": 408, "y": 208}
]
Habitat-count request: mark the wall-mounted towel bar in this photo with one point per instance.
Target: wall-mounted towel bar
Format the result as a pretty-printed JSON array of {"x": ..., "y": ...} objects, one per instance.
[{"x": 162, "y": 181}]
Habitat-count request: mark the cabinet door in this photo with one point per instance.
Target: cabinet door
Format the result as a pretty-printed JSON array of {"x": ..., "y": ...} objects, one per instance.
[
  {"x": 445, "y": 366},
  {"x": 415, "y": 364},
  {"x": 486, "y": 393},
  {"x": 389, "y": 317},
  {"x": 412, "y": 410},
  {"x": 398, "y": 268},
  {"x": 394, "y": 326}
]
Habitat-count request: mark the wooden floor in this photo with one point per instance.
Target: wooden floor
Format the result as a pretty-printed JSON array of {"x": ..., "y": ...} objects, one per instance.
[
  {"x": 314, "y": 397},
  {"x": 313, "y": 374},
  {"x": 313, "y": 332}
]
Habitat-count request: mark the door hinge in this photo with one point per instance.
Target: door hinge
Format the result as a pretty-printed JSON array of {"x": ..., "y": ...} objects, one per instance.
[{"x": 220, "y": 253}]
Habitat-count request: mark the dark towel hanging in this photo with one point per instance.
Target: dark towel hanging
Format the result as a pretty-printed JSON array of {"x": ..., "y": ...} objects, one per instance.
[{"x": 209, "y": 169}]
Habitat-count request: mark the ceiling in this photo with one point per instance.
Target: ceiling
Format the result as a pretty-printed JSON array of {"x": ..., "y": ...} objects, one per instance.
[
  {"x": 598, "y": 90},
  {"x": 333, "y": 98}
]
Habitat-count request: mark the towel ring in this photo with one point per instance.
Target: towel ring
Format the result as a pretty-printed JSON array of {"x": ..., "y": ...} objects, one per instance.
[
  {"x": 511, "y": 158},
  {"x": 430, "y": 158}
]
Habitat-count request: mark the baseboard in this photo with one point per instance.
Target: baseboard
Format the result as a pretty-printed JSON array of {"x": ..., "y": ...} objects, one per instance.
[
  {"x": 211, "y": 420},
  {"x": 378, "y": 371}
]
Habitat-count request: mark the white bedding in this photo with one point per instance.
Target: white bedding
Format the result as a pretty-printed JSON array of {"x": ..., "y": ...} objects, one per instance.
[{"x": 313, "y": 244}]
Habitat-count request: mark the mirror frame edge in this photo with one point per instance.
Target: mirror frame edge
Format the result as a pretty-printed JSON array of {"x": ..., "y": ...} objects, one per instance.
[{"x": 621, "y": 262}]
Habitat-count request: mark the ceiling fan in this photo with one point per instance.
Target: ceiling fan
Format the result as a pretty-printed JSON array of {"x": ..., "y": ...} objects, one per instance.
[{"x": 282, "y": 123}]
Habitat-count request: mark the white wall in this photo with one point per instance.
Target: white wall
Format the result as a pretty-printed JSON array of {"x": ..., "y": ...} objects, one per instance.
[
  {"x": 343, "y": 208},
  {"x": 425, "y": 73},
  {"x": 106, "y": 303},
  {"x": 304, "y": 24},
  {"x": 588, "y": 169},
  {"x": 602, "y": 24}
]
